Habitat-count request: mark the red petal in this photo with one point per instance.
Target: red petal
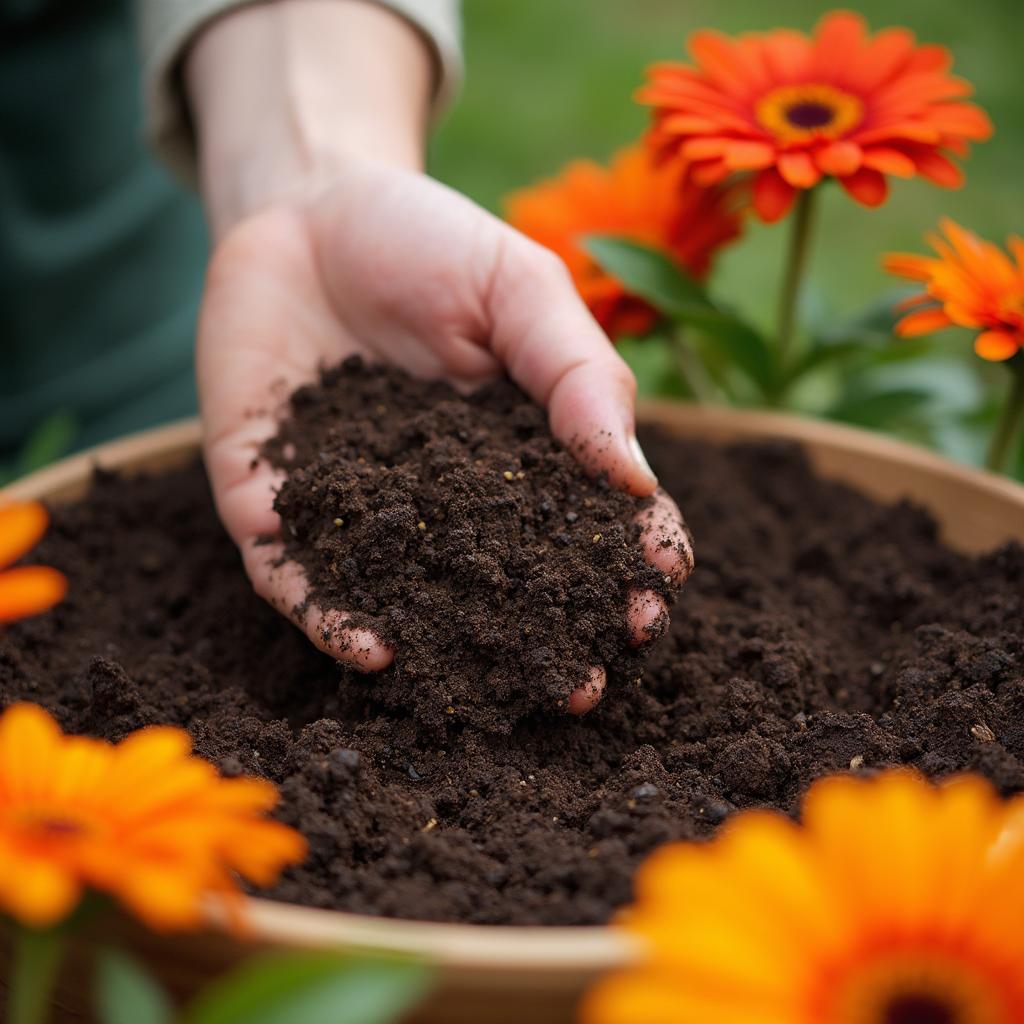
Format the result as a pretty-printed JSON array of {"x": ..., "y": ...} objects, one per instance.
[
  {"x": 838, "y": 41},
  {"x": 963, "y": 119},
  {"x": 717, "y": 56},
  {"x": 839, "y": 158},
  {"x": 709, "y": 173},
  {"x": 787, "y": 54},
  {"x": 798, "y": 170},
  {"x": 749, "y": 156},
  {"x": 866, "y": 186},
  {"x": 938, "y": 169},
  {"x": 886, "y": 54},
  {"x": 889, "y": 161},
  {"x": 772, "y": 196}
]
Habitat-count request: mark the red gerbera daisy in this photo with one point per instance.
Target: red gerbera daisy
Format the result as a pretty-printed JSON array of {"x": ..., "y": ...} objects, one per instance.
[{"x": 794, "y": 109}]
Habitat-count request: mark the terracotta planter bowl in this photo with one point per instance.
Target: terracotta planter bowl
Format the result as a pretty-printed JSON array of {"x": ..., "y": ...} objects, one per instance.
[{"x": 513, "y": 974}]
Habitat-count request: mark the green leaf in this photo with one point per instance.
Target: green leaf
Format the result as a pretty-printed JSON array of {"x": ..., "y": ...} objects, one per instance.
[
  {"x": 652, "y": 364},
  {"x": 880, "y": 408},
  {"x": 127, "y": 994},
  {"x": 48, "y": 442},
  {"x": 652, "y": 276},
  {"x": 873, "y": 324},
  {"x": 647, "y": 273},
  {"x": 745, "y": 346},
  {"x": 822, "y": 355},
  {"x": 312, "y": 988}
]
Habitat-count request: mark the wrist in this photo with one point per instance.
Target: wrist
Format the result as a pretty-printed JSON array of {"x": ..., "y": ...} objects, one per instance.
[{"x": 286, "y": 95}]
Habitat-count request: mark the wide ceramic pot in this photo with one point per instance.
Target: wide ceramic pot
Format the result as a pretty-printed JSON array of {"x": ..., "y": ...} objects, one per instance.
[{"x": 485, "y": 973}]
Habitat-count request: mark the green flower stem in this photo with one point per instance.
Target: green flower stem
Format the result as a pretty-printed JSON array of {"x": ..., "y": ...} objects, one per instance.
[
  {"x": 691, "y": 369},
  {"x": 796, "y": 263},
  {"x": 1010, "y": 421},
  {"x": 37, "y": 957}
]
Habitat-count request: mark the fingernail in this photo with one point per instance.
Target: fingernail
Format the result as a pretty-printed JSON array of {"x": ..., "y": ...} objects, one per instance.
[{"x": 640, "y": 458}]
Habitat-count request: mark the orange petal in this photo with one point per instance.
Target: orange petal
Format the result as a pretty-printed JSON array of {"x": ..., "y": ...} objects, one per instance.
[
  {"x": 716, "y": 54},
  {"x": 908, "y": 264},
  {"x": 997, "y": 345},
  {"x": 926, "y": 321},
  {"x": 938, "y": 169},
  {"x": 963, "y": 119},
  {"x": 22, "y": 525},
  {"x": 838, "y": 38},
  {"x": 29, "y": 591},
  {"x": 840, "y": 158},
  {"x": 772, "y": 196},
  {"x": 798, "y": 170},
  {"x": 886, "y": 54},
  {"x": 749, "y": 156},
  {"x": 704, "y": 147},
  {"x": 866, "y": 186},
  {"x": 889, "y": 161},
  {"x": 709, "y": 173},
  {"x": 930, "y": 57}
]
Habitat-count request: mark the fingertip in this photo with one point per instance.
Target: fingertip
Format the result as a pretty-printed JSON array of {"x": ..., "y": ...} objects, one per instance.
[
  {"x": 356, "y": 646},
  {"x": 645, "y": 481},
  {"x": 586, "y": 697},
  {"x": 647, "y": 616},
  {"x": 666, "y": 541}
]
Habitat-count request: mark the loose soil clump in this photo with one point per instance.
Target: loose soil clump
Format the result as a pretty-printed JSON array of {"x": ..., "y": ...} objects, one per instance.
[
  {"x": 469, "y": 540},
  {"x": 821, "y": 632}
]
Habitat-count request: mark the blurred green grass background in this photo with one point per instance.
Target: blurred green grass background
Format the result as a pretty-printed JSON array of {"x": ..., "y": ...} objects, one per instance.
[{"x": 549, "y": 80}]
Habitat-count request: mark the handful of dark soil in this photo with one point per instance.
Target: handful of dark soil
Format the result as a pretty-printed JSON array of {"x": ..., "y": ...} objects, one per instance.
[{"x": 466, "y": 536}]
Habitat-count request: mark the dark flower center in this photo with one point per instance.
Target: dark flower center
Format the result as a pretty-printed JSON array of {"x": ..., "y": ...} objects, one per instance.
[
  {"x": 919, "y": 1009},
  {"x": 810, "y": 115},
  {"x": 58, "y": 826}
]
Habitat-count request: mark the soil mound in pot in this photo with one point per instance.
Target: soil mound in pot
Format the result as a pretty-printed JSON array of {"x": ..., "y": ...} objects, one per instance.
[
  {"x": 819, "y": 631},
  {"x": 465, "y": 536}
]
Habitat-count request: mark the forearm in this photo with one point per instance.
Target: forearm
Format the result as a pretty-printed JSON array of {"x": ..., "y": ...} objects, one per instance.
[{"x": 283, "y": 94}]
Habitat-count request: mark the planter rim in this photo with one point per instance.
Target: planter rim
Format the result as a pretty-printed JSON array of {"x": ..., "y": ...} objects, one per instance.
[
  {"x": 713, "y": 419},
  {"x": 487, "y": 949}
]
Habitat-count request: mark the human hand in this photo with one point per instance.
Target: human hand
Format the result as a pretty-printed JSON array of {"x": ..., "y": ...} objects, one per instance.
[{"x": 375, "y": 258}]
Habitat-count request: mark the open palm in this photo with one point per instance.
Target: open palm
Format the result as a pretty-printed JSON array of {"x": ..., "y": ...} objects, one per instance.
[{"x": 394, "y": 266}]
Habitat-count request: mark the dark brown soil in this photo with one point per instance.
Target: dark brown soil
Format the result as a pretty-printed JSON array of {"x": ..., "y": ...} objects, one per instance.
[
  {"x": 471, "y": 542},
  {"x": 820, "y": 631}
]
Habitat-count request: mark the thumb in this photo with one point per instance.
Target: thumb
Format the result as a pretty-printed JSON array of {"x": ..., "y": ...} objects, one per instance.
[{"x": 553, "y": 348}]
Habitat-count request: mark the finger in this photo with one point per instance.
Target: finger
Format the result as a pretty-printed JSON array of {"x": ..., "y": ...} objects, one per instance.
[
  {"x": 647, "y": 615},
  {"x": 585, "y": 697},
  {"x": 284, "y": 586},
  {"x": 665, "y": 539},
  {"x": 553, "y": 348}
]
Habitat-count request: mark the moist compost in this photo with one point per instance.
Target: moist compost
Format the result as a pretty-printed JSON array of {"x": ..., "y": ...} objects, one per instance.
[
  {"x": 469, "y": 540},
  {"x": 820, "y": 632}
]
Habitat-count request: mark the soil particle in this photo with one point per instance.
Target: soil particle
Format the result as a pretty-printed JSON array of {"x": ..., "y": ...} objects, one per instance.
[{"x": 821, "y": 632}]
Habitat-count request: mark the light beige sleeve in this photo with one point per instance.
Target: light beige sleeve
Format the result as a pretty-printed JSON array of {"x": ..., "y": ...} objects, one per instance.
[{"x": 166, "y": 27}]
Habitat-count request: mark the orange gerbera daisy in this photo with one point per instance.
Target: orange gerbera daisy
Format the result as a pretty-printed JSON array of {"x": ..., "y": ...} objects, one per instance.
[
  {"x": 31, "y": 589},
  {"x": 141, "y": 820},
  {"x": 794, "y": 109},
  {"x": 971, "y": 283},
  {"x": 895, "y": 903},
  {"x": 632, "y": 199}
]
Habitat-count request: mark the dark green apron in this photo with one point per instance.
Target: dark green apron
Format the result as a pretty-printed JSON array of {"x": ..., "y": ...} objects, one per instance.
[{"x": 101, "y": 254}]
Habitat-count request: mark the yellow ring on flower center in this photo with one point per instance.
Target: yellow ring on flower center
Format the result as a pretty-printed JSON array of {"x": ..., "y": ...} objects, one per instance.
[
  {"x": 795, "y": 113},
  {"x": 900, "y": 988}
]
